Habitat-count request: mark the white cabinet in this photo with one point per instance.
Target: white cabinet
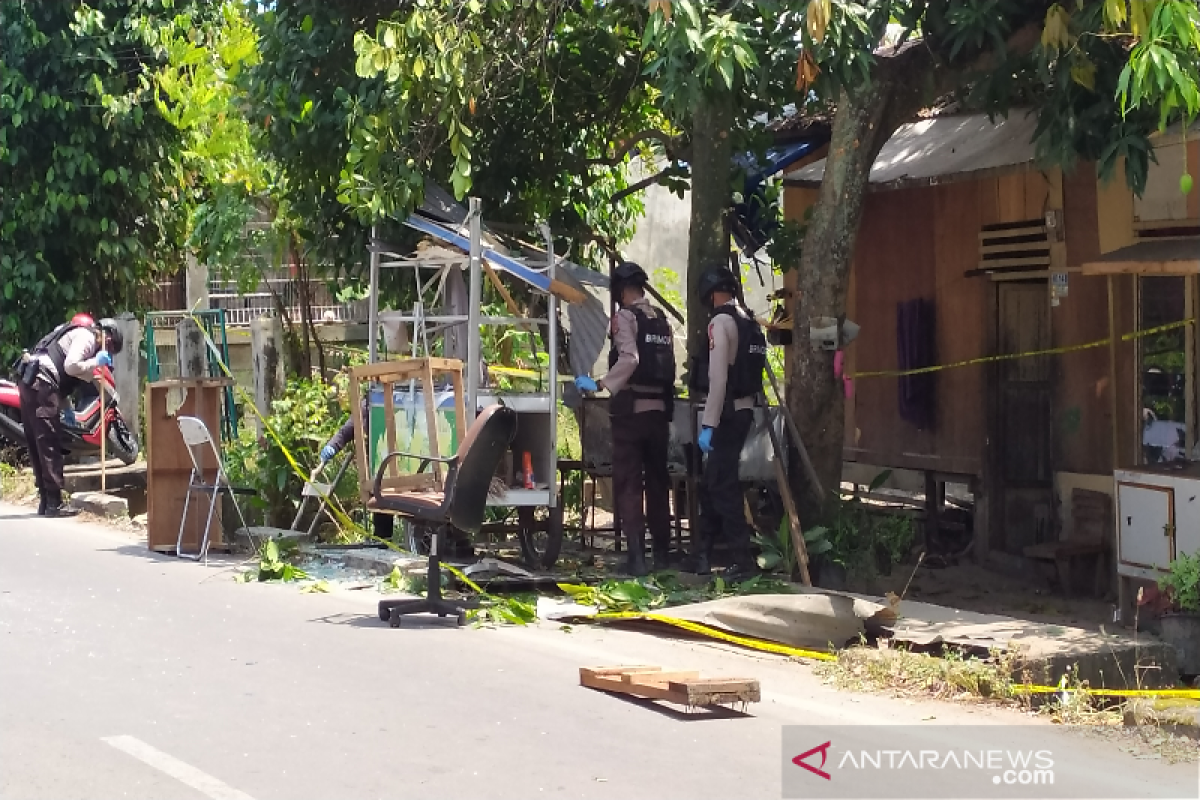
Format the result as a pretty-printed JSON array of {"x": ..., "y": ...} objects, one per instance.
[{"x": 1158, "y": 518}]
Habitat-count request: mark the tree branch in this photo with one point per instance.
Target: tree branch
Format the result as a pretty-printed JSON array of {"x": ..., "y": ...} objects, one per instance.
[
  {"x": 668, "y": 143},
  {"x": 657, "y": 177}
]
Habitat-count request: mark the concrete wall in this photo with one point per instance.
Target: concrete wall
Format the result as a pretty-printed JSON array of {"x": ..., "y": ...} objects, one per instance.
[{"x": 661, "y": 242}]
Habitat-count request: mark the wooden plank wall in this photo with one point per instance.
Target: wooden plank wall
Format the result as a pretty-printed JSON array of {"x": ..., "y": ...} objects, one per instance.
[
  {"x": 919, "y": 242},
  {"x": 916, "y": 243}
]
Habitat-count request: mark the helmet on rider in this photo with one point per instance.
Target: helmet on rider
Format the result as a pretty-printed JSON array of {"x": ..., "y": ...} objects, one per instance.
[
  {"x": 717, "y": 279},
  {"x": 83, "y": 320},
  {"x": 113, "y": 339}
]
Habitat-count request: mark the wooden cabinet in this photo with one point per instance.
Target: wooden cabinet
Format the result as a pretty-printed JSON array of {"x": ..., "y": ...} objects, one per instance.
[{"x": 169, "y": 467}]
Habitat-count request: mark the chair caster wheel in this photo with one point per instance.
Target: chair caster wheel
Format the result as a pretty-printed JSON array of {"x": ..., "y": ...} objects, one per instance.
[
  {"x": 395, "y": 619},
  {"x": 461, "y": 619},
  {"x": 385, "y": 614},
  {"x": 441, "y": 616}
]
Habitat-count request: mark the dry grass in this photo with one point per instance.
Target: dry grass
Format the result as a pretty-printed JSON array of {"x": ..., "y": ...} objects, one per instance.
[
  {"x": 1148, "y": 728},
  {"x": 900, "y": 671},
  {"x": 16, "y": 484}
]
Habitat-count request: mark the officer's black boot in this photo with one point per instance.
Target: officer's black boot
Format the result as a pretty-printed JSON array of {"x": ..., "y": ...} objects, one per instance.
[
  {"x": 744, "y": 566},
  {"x": 43, "y": 504},
  {"x": 56, "y": 508},
  {"x": 635, "y": 565}
]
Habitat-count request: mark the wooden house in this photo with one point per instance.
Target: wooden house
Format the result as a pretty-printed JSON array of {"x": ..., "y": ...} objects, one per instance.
[{"x": 1012, "y": 259}]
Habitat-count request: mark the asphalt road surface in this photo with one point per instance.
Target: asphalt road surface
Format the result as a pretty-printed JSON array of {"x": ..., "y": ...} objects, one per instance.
[{"x": 128, "y": 675}]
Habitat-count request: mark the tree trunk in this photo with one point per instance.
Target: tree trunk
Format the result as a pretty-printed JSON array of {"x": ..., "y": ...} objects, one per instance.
[
  {"x": 815, "y": 397},
  {"x": 708, "y": 233}
]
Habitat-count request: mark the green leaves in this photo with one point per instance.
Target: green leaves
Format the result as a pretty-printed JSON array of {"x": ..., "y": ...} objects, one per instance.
[{"x": 90, "y": 210}]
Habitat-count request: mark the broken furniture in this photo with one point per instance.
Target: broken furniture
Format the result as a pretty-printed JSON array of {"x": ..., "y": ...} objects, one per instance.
[
  {"x": 200, "y": 445},
  {"x": 1091, "y": 538},
  {"x": 404, "y": 415},
  {"x": 682, "y": 687},
  {"x": 169, "y": 467},
  {"x": 449, "y": 276},
  {"x": 458, "y": 503}
]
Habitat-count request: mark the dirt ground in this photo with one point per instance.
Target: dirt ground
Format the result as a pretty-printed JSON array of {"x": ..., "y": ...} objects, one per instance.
[{"x": 972, "y": 587}]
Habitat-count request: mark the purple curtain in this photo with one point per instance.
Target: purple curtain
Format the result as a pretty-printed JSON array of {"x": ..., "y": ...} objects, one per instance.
[{"x": 916, "y": 347}]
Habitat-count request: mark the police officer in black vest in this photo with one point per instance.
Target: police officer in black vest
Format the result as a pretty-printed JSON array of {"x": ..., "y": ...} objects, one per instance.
[
  {"x": 641, "y": 381},
  {"x": 736, "y": 359},
  {"x": 60, "y": 363}
]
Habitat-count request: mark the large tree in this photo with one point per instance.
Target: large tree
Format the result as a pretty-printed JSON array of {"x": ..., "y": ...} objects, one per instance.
[
  {"x": 92, "y": 199},
  {"x": 1100, "y": 75},
  {"x": 361, "y": 104}
]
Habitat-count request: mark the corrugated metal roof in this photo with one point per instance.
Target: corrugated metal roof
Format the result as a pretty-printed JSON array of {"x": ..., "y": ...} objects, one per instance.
[
  {"x": 587, "y": 322},
  {"x": 922, "y": 152}
]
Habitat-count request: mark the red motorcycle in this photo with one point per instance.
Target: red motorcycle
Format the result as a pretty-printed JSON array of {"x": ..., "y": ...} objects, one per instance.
[{"x": 81, "y": 427}]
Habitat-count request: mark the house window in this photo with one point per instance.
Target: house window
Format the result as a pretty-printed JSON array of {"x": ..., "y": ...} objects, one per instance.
[{"x": 1166, "y": 380}]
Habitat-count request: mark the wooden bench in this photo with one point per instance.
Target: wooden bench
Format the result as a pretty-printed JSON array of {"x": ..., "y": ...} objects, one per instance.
[{"x": 1091, "y": 537}]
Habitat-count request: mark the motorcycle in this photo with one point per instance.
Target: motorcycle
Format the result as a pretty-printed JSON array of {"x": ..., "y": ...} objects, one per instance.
[{"x": 81, "y": 429}]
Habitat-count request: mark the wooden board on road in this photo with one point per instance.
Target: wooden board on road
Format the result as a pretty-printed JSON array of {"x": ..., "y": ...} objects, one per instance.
[{"x": 683, "y": 687}]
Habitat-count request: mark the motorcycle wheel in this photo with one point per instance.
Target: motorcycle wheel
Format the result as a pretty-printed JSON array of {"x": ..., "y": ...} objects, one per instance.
[{"x": 122, "y": 443}]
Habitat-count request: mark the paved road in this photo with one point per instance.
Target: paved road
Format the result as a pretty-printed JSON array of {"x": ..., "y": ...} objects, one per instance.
[{"x": 126, "y": 675}]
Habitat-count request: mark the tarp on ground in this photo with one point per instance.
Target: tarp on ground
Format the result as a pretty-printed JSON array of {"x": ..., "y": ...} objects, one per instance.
[{"x": 811, "y": 620}]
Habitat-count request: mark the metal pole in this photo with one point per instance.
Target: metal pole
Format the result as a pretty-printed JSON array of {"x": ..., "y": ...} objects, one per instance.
[
  {"x": 103, "y": 422},
  {"x": 372, "y": 336},
  {"x": 552, "y": 322},
  {"x": 474, "y": 301},
  {"x": 373, "y": 302}
]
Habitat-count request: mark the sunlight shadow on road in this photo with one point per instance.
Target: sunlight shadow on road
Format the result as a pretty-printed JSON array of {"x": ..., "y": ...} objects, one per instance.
[
  {"x": 699, "y": 715},
  {"x": 411, "y": 622}
]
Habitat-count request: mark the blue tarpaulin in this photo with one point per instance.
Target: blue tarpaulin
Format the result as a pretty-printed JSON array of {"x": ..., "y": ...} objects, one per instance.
[{"x": 753, "y": 226}]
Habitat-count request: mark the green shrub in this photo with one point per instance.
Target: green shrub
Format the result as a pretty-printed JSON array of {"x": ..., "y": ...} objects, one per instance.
[{"x": 300, "y": 423}]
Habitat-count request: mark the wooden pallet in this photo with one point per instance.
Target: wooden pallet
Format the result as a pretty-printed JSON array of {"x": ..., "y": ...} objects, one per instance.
[{"x": 682, "y": 687}]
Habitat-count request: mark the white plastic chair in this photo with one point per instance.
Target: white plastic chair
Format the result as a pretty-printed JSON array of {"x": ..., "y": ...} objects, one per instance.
[{"x": 197, "y": 438}]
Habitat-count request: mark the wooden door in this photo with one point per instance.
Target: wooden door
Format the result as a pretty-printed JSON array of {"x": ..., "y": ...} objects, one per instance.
[{"x": 1023, "y": 440}]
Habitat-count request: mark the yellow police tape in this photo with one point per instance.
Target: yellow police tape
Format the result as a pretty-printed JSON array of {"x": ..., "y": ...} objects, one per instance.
[
  {"x": 1128, "y": 337},
  {"x": 796, "y": 652},
  {"x": 693, "y": 627}
]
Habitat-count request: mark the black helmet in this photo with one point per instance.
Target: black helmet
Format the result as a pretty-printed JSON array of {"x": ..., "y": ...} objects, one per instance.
[
  {"x": 113, "y": 340},
  {"x": 627, "y": 273},
  {"x": 714, "y": 279}
]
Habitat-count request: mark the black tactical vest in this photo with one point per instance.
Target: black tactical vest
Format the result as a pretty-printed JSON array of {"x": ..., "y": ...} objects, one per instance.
[
  {"x": 746, "y": 373},
  {"x": 51, "y": 345},
  {"x": 656, "y": 363}
]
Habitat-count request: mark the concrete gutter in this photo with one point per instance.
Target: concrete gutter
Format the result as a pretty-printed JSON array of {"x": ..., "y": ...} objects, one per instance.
[{"x": 102, "y": 505}]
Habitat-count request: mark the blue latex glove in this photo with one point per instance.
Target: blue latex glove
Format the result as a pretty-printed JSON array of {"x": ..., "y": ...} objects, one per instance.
[
  {"x": 706, "y": 439},
  {"x": 103, "y": 359},
  {"x": 68, "y": 416},
  {"x": 585, "y": 384},
  {"x": 327, "y": 454}
]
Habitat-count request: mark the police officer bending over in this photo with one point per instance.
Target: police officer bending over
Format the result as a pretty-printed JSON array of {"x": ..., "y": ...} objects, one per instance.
[
  {"x": 641, "y": 380},
  {"x": 736, "y": 359},
  {"x": 57, "y": 365}
]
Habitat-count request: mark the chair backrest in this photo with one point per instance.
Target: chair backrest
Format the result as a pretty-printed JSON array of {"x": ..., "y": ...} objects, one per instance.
[
  {"x": 478, "y": 456},
  {"x": 196, "y": 436},
  {"x": 1092, "y": 516}
]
